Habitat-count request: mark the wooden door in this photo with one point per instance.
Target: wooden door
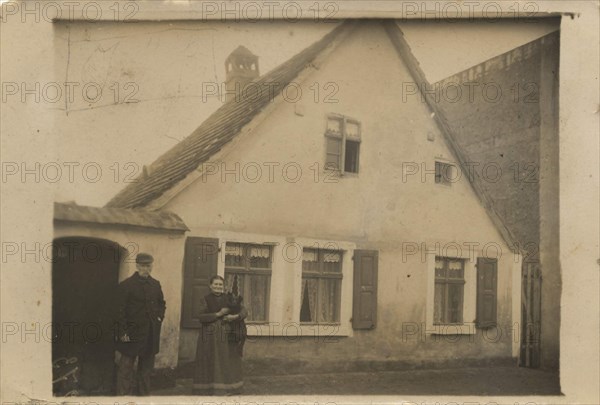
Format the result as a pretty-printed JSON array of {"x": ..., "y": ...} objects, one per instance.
[{"x": 85, "y": 276}]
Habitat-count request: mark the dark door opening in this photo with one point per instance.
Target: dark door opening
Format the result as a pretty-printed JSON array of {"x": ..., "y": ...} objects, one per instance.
[{"x": 85, "y": 276}]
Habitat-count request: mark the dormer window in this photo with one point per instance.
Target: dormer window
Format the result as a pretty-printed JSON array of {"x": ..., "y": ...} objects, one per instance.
[{"x": 342, "y": 144}]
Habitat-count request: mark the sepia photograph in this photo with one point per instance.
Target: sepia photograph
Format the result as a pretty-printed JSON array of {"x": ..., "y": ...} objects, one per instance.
[{"x": 250, "y": 200}]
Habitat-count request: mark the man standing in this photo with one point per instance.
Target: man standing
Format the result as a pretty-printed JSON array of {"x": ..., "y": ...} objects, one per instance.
[{"x": 141, "y": 309}]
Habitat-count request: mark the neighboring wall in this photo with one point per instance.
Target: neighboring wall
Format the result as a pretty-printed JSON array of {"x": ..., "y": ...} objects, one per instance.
[
  {"x": 379, "y": 209},
  {"x": 504, "y": 113},
  {"x": 549, "y": 203},
  {"x": 167, "y": 249},
  {"x": 493, "y": 109}
]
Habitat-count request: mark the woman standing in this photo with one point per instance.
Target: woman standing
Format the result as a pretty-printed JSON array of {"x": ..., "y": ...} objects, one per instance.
[{"x": 218, "y": 358}]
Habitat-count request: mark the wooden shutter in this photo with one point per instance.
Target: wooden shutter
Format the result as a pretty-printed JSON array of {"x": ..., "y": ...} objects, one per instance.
[
  {"x": 200, "y": 264},
  {"x": 364, "y": 308},
  {"x": 487, "y": 286}
]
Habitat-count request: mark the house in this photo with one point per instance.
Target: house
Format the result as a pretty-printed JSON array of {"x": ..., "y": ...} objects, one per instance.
[{"x": 338, "y": 208}]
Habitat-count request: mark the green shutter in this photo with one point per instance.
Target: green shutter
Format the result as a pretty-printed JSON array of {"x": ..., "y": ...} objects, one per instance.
[
  {"x": 487, "y": 292},
  {"x": 364, "y": 307},
  {"x": 200, "y": 264}
]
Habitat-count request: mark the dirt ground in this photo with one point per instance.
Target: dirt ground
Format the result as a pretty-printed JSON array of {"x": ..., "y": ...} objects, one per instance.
[{"x": 464, "y": 381}]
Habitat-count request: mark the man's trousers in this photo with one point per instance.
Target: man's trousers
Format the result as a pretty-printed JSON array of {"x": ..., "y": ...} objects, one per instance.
[{"x": 128, "y": 378}]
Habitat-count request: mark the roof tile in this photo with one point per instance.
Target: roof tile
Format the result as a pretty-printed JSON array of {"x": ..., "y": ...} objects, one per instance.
[{"x": 119, "y": 216}]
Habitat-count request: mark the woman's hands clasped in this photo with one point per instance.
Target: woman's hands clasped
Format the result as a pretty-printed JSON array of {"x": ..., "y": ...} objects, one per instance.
[{"x": 223, "y": 312}]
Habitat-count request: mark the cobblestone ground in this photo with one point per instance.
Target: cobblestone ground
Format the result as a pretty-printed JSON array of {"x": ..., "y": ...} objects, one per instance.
[{"x": 495, "y": 381}]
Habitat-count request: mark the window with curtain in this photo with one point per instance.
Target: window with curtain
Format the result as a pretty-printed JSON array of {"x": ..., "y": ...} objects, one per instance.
[
  {"x": 449, "y": 291},
  {"x": 321, "y": 286},
  {"x": 342, "y": 144},
  {"x": 248, "y": 273}
]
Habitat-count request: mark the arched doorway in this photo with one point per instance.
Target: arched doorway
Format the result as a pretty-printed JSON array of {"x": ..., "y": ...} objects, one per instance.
[{"x": 85, "y": 277}]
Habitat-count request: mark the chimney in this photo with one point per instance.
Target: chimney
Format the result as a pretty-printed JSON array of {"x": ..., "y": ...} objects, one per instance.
[{"x": 241, "y": 67}]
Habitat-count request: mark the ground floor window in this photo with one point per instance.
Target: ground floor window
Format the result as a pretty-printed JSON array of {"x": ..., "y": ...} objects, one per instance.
[
  {"x": 301, "y": 286},
  {"x": 248, "y": 273},
  {"x": 321, "y": 286},
  {"x": 449, "y": 290}
]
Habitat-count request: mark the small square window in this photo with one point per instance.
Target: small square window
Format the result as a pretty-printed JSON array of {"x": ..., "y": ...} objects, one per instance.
[{"x": 444, "y": 173}]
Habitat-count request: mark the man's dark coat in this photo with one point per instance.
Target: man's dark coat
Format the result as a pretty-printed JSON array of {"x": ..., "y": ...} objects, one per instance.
[{"x": 140, "y": 306}]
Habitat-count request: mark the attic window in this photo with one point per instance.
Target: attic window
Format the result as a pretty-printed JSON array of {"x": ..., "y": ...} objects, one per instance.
[
  {"x": 342, "y": 144},
  {"x": 444, "y": 173}
]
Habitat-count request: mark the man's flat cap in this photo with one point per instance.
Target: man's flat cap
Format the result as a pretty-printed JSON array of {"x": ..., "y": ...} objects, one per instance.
[{"x": 144, "y": 258}]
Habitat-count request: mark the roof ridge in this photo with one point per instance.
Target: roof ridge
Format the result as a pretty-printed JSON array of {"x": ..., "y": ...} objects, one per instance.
[{"x": 217, "y": 130}]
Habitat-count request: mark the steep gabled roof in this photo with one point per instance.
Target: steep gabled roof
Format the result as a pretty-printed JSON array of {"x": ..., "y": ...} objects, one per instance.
[
  {"x": 217, "y": 130},
  {"x": 403, "y": 49}
]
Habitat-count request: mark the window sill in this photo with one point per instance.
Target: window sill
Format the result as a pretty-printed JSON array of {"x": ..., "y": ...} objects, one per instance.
[
  {"x": 349, "y": 174},
  {"x": 451, "y": 329},
  {"x": 330, "y": 174},
  {"x": 292, "y": 330},
  {"x": 313, "y": 324},
  {"x": 445, "y": 185}
]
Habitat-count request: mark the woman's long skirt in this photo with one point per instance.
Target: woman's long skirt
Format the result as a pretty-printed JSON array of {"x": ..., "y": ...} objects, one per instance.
[{"x": 218, "y": 368}]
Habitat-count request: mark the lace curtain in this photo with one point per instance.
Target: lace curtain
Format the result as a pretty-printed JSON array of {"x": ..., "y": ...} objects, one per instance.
[
  {"x": 352, "y": 129},
  {"x": 332, "y": 257},
  {"x": 234, "y": 250},
  {"x": 334, "y": 125},
  {"x": 260, "y": 252},
  {"x": 234, "y": 284},
  {"x": 308, "y": 310}
]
